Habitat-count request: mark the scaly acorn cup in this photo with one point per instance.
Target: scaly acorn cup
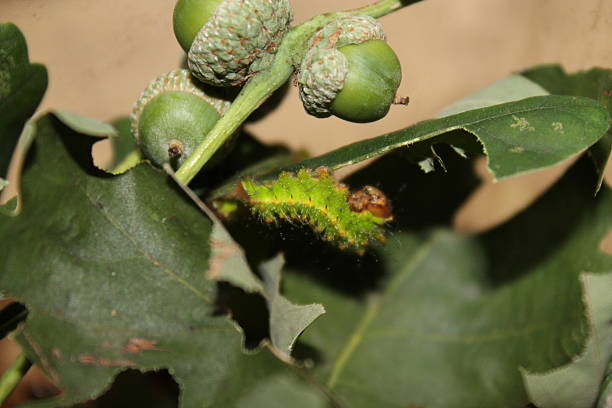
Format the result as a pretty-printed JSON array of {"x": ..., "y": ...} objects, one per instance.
[
  {"x": 172, "y": 116},
  {"x": 228, "y": 40},
  {"x": 349, "y": 71}
]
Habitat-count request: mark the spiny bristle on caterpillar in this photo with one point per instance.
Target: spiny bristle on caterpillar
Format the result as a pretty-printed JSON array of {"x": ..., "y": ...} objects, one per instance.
[{"x": 312, "y": 197}]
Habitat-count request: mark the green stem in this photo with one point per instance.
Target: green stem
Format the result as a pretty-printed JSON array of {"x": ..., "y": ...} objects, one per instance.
[
  {"x": 264, "y": 83},
  {"x": 13, "y": 376},
  {"x": 254, "y": 93},
  {"x": 382, "y": 8}
]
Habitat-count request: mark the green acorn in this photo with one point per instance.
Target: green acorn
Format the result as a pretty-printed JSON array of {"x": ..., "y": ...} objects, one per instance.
[
  {"x": 227, "y": 40},
  {"x": 349, "y": 71},
  {"x": 172, "y": 116}
]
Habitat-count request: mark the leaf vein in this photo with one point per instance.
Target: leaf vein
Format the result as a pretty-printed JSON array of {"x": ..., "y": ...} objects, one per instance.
[
  {"x": 142, "y": 250},
  {"x": 494, "y": 335},
  {"x": 374, "y": 307}
]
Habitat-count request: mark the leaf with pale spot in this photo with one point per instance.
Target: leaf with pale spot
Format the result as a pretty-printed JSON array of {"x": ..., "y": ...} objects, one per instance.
[
  {"x": 594, "y": 83},
  {"x": 517, "y": 137}
]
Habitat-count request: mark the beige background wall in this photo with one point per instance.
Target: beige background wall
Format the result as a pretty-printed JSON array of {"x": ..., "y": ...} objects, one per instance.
[{"x": 101, "y": 54}]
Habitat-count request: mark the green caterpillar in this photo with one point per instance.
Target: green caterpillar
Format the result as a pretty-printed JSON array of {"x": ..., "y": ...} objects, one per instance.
[{"x": 349, "y": 220}]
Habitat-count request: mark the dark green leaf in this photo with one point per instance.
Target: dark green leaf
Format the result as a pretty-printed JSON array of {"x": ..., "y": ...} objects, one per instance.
[
  {"x": 113, "y": 273},
  {"x": 517, "y": 137},
  {"x": 446, "y": 320},
  {"x": 22, "y": 86},
  {"x": 578, "y": 383},
  {"x": 595, "y": 83},
  {"x": 9, "y": 207}
]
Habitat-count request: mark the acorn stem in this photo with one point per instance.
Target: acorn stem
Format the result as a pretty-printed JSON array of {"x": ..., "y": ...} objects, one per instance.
[
  {"x": 383, "y": 7},
  {"x": 254, "y": 93},
  {"x": 13, "y": 376},
  {"x": 401, "y": 100},
  {"x": 261, "y": 85}
]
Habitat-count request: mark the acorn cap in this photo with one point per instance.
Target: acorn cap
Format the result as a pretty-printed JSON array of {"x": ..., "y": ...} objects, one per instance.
[
  {"x": 239, "y": 33},
  {"x": 324, "y": 68},
  {"x": 176, "y": 80}
]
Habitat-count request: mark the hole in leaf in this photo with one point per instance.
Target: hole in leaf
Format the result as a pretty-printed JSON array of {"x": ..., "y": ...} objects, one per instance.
[
  {"x": 132, "y": 388},
  {"x": 307, "y": 355},
  {"x": 10, "y": 317},
  {"x": 247, "y": 309},
  {"x": 102, "y": 154}
]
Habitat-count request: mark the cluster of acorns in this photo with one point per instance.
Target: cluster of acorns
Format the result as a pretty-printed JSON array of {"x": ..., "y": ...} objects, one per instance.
[{"x": 349, "y": 71}]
